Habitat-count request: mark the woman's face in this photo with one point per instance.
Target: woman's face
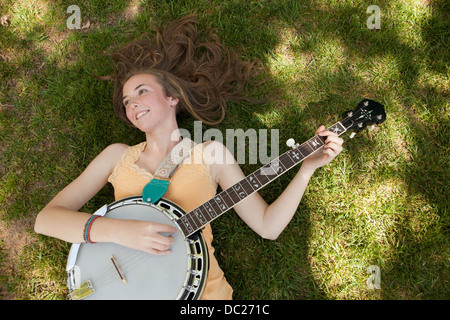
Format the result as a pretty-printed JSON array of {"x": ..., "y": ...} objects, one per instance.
[{"x": 145, "y": 102}]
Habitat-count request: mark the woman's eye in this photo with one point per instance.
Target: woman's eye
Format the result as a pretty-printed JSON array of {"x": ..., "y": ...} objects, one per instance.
[
  {"x": 142, "y": 91},
  {"x": 126, "y": 102}
]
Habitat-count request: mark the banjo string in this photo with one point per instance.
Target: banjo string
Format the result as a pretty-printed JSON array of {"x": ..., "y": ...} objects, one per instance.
[{"x": 128, "y": 261}]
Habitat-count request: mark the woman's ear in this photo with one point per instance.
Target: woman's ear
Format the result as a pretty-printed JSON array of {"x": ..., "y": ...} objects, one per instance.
[{"x": 173, "y": 101}]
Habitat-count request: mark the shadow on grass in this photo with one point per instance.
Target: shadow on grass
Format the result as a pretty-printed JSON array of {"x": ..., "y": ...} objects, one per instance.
[{"x": 417, "y": 269}]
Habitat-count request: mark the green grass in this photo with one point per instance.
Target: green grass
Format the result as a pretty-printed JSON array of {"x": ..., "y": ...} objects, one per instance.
[{"x": 383, "y": 201}]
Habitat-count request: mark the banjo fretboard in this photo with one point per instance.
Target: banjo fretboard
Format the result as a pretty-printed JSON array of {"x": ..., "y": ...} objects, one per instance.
[{"x": 226, "y": 199}]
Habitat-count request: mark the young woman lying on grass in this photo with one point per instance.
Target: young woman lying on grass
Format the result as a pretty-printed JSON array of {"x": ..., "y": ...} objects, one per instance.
[{"x": 155, "y": 81}]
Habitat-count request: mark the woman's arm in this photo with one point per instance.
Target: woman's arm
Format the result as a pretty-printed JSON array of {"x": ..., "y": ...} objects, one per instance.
[
  {"x": 61, "y": 218},
  {"x": 270, "y": 220}
]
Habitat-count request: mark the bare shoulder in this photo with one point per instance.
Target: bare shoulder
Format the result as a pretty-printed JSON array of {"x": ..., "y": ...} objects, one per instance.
[
  {"x": 216, "y": 153},
  {"x": 91, "y": 180},
  {"x": 115, "y": 150},
  {"x": 111, "y": 155},
  {"x": 224, "y": 168}
]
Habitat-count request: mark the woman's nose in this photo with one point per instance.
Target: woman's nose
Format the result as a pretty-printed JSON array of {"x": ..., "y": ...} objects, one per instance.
[{"x": 133, "y": 103}]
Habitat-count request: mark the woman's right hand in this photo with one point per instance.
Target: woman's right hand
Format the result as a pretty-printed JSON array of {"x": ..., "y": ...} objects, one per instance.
[{"x": 140, "y": 235}]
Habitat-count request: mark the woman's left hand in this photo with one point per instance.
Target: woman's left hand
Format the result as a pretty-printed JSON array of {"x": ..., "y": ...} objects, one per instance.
[{"x": 332, "y": 147}]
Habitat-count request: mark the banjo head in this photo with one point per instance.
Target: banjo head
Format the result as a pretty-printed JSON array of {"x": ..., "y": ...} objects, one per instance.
[{"x": 108, "y": 271}]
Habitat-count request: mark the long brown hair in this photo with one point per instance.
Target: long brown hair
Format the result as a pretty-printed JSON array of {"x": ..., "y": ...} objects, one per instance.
[{"x": 202, "y": 74}]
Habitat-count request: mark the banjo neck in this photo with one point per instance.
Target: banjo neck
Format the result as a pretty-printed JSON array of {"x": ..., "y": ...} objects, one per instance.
[{"x": 196, "y": 219}]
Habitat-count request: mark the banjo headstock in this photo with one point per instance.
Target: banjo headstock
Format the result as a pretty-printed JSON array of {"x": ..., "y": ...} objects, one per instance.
[{"x": 367, "y": 113}]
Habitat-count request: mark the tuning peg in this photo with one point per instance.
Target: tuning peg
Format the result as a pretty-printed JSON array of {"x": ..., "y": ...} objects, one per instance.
[
  {"x": 371, "y": 127},
  {"x": 290, "y": 143},
  {"x": 352, "y": 135}
]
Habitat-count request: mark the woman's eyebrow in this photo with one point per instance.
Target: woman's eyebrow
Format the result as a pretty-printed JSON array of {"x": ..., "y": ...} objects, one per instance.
[{"x": 134, "y": 90}]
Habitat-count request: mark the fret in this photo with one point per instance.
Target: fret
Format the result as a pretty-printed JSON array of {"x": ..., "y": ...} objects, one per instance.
[
  {"x": 254, "y": 182},
  {"x": 287, "y": 161},
  {"x": 262, "y": 178},
  {"x": 277, "y": 167},
  {"x": 264, "y": 174},
  {"x": 337, "y": 128},
  {"x": 199, "y": 214},
  {"x": 215, "y": 207},
  {"x": 220, "y": 203},
  {"x": 209, "y": 209},
  {"x": 185, "y": 226},
  {"x": 247, "y": 186},
  {"x": 193, "y": 220},
  {"x": 182, "y": 227},
  {"x": 227, "y": 199},
  {"x": 280, "y": 166},
  {"x": 233, "y": 195},
  {"x": 322, "y": 139},
  {"x": 295, "y": 155},
  {"x": 239, "y": 190},
  {"x": 274, "y": 168},
  {"x": 315, "y": 143},
  {"x": 306, "y": 149},
  {"x": 270, "y": 170}
]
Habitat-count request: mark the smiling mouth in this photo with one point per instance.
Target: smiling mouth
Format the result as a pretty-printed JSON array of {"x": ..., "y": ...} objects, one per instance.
[{"x": 141, "y": 114}]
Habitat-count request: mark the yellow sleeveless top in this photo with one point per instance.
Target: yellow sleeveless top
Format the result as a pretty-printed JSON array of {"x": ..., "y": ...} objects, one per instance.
[{"x": 190, "y": 186}]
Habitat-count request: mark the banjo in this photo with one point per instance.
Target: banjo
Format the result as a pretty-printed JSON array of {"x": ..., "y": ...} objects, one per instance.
[{"x": 109, "y": 271}]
